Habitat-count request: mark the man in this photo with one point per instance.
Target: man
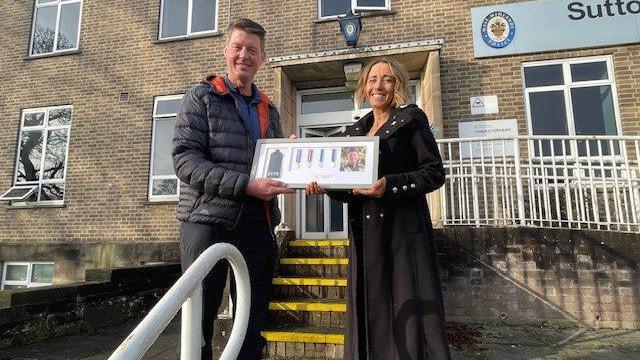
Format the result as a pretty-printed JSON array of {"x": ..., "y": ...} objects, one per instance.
[
  {"x": 353, "y": 160},
  {"x": 216, "y": 130}
]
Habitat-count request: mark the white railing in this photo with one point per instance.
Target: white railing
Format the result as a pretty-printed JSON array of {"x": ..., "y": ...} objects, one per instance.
[
  {"x": 188, "y": 290},
  {"x": 579, "y": 182}
]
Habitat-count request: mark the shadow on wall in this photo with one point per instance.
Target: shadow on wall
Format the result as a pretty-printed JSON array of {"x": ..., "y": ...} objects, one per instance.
[{"x": 531, "y": 275}]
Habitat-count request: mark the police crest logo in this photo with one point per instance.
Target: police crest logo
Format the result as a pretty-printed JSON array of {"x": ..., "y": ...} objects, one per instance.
[{"x": 498, "y": 29}]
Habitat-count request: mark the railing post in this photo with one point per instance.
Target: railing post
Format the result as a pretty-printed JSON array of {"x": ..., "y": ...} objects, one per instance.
[
  {"x": 191, "y": 326},
  {"x": 519, "y": 189}
]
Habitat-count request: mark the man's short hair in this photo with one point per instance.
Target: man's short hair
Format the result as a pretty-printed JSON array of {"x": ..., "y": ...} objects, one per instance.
[
  {"x": 250, "y": 27},
  {"x": 353, "y": 149}
]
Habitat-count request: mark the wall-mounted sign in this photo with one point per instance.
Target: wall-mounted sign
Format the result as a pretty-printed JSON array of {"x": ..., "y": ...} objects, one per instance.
[
  {"x": 483, "y": 105},
  {"x": 490, "y": 129},
  {"x": 534, "y": 26}
]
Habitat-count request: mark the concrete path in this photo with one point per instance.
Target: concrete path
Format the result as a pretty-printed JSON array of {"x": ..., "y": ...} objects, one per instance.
[{"x": 482, "y": 342}]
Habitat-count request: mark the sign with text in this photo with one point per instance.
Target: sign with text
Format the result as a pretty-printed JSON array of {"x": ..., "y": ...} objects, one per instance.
[
  {"x": 487, "y": 130},
  {"x": 535, "y": 26},
  {"x": 481, "y": 105}
]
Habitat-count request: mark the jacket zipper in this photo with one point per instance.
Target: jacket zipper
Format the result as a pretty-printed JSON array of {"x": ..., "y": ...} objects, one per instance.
[{"x": 237, "y": 112}]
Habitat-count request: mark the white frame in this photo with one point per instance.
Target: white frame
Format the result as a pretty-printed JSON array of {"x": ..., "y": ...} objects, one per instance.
[
  {"x": 58, "y": 4},
  {"x": 31, "y": 188},
  {"x": 301, "y": 201},
  {"x": 150, "y": 196},
  {"x": 354, "y": 8},
  {"x": 45, "y": 128},
  {"x": 189, "y": 19},
  {"x": 566, "y": 88},
  {"x": 27, "y": 283}
]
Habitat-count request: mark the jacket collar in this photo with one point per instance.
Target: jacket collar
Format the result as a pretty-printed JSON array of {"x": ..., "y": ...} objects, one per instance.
[
  {"x": 219, "y": 87},
  {"x": 398, "y": 118}
]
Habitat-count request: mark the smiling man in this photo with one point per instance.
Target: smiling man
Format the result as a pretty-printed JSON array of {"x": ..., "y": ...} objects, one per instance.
[{"x": 218, "y": 124}]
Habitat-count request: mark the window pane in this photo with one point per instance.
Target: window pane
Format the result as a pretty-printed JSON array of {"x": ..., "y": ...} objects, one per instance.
[
  {"x": 44, "y": 30},
  {"x": 314, "y": 210},
  {"x": 46, "y": 1},
  {"x": 174, "y": 17},
  {"x": 55, "y": 155},
  {"x": 589, "y": 71},
  {"x": 60, "y": 117},
  {"x": 377, "y": 3},
  {"x": 52, "y": 192},
  {"x": 42, "y": 273},
  {"x": 165, "y": 107},
  {"x": 30, "y": 156},
  {"x": 68, "y": 29},
  {"x": 163, "y": 136},
  {"x": 548, "y": 117},
  {"x": 35, "y": 119},
  {"x": 320, "y": 103},
  {"x": 203, "y": 15},
  {"x": 543, "y": 75},
  {"x": 594, "y": 114},
  {"x": 336, "y": 215},
  {"x": 16, "y": 273},
  {"x": 164, "y": 187},
  {"x": 334, "y": 7}
]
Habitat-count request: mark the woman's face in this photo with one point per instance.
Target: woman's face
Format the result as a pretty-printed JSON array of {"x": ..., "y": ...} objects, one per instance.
[{"x": 380, "y": 86}]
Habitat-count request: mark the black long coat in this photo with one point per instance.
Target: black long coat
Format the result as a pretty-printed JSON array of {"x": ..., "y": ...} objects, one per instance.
[{"x": 394, "y": 301}]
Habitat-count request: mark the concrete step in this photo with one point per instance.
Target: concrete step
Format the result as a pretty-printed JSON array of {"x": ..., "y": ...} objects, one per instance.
[
  {"x": 317, "y": 267},
  {"x": 285, "y": 288},
  {"x": 307, "y": 312},
  {"x": 296, "y": 342},
  {"x": 318, "y": 248}
]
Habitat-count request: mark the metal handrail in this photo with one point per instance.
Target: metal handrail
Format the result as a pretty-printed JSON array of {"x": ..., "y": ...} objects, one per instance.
[{"x": 188, "y": 290}]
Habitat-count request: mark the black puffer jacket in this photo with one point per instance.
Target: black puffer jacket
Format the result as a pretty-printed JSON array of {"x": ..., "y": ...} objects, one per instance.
[{"x": 212, "y": 155}]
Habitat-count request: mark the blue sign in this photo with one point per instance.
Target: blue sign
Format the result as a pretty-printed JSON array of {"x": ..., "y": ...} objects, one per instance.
[
  {"x": 549, "y": 25},
  {"x": 498, "y": 29}
]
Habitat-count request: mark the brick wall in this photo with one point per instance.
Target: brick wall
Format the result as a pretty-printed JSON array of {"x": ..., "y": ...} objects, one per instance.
[{"x": 109, "y": 153}]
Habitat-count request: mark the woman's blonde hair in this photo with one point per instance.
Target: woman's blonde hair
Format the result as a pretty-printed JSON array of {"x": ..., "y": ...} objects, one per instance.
[{"x": 401, "y": 94}]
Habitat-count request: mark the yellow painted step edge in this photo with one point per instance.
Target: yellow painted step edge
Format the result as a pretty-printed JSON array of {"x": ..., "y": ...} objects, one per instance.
[
  {"x": 307, "y": 306},
  {"x": 314, "y": 261},
  {"x": 283, "y": 336},
  {"x": 303, "y": 243},
  {"x": 310, "y": 281}
]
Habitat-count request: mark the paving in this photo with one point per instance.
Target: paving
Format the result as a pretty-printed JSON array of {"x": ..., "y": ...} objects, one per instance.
[{"x": 476, "y": 341}]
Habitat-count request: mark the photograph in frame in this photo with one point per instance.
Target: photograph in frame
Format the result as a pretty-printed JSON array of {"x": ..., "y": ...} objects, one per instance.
[{"x": 334, "y": 163}]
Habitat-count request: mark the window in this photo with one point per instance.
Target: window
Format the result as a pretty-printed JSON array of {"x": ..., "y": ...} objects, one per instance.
[
  {"x": 18, "y": 275},
  {"x": 163, "y": 182},
  {"x": 572, "y": 97},
  {"x": 184, "y": 18},
  {"x": 41, "y": 162},
  {"x": 331, "y": 9},
  {"x": 56, "y": 26}
]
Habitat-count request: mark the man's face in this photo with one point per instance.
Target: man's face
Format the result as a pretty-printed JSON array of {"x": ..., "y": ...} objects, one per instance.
[
  {"x": 244, "y": 56},
  {"x": 352, "y": 158}
]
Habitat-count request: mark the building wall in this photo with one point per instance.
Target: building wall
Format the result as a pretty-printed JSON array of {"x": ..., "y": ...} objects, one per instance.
[{"x": 109, "y": 153}]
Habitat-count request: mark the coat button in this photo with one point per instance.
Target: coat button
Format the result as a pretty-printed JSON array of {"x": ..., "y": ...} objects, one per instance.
[
  {"x": 413, "y": 186},
  {"x": 395, "y": 189},
  {"x": 405, "y": 188},
  {"x": 381, "y": 215},
  {"x": 393, "y": 123},
  {"x": 402, "y": 120},
  {"x": 357, "y": 128},
  {"x": 387, "y": 131},
  {"x": 368, "y": 216}
]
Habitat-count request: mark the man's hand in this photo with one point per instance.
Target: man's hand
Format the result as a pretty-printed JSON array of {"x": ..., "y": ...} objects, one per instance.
[
  {"x": 267, "y": 189},
  {"x": 375, "y": 191},
  {"x": 314, "y": 189}
]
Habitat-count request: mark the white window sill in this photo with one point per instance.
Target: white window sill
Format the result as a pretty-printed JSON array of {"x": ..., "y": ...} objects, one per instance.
[
  {"x": 23, "y": 205},
  {"x": 363, "y": 15},
  {"x": 53, "y": 54},
  {"x": 188, "y": 37}
]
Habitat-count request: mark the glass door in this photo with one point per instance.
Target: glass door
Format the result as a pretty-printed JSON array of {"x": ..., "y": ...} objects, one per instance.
[{"x": 322, "y": 217}]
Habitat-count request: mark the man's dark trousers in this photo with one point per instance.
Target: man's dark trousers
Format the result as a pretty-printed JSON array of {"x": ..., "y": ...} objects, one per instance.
[{"x": 256, "y": 244}]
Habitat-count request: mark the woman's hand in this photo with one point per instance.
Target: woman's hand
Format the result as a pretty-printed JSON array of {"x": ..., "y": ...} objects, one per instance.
[
  {"x": 375, "y": 191},
  {"x": 314, "y": 189}
]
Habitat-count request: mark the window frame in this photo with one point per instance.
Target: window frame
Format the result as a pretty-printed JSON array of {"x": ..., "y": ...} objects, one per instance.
[
  {"x": 150, "y": 196},
  {"x": 566, "y": 87},
  {"x": 58, "y": 4},
  {"x": 45, "y": 130},
  {"x": 189, "y": 33},
  {"x": 27, "y": 283},
  {"x": 353, "y": 6}
]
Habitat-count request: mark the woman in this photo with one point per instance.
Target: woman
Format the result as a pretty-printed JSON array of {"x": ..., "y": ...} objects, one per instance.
[{"x": 394, "y": 302}]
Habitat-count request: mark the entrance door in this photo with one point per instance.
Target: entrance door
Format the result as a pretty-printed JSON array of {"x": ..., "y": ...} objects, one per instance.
[{"x": 321, "y": 217}]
